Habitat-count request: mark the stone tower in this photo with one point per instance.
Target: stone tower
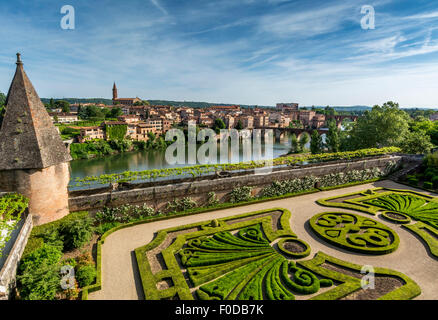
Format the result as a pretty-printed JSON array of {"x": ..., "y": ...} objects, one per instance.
[
  {"x": 33, "y": 158},
  {"x": 114, "y": 92}
]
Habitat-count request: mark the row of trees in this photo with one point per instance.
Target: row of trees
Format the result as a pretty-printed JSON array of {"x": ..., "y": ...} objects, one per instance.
[
  {"x": 96, "y": 113},
  {"x": 382, "y": 126}
]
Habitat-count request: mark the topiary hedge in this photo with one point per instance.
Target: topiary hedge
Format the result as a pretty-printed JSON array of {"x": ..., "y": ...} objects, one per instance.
[
  {"x": 354, "y": 232},
  {"x": 217, "y": 264}
]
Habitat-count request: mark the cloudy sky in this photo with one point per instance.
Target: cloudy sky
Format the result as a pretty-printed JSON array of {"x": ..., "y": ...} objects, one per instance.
[{"x": 257, "y": 52}]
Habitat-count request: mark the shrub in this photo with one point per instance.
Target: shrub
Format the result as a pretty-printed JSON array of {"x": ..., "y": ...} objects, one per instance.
[
  {"x": 240, "y": 194},
  {"x": 38, "y": 275},
  {"x": 104, "y": 227},
  {"x": 84, "y": 260},
  {"x": 435, "y": 182},
  {"x": 431, "y": 160},
  {"x": 124, "y": 213},
  {"x": 181, "y": 205},
  {"x": 413, "y": 181},
  {"x": 212, "y": 199},
  {"x": 85, "y": 275},
  {"x": 76, "y": 233},
  {"x": 53, "y": 238},
  {"x": 428, "y": 185}
]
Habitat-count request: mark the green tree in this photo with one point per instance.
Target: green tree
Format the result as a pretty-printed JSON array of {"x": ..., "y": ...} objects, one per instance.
[
  {"x": 2, "y": 99},
  {"x": 296, "y": 147},
  {"x": 381, "y": 127},
  {"x": 114, "y": 113},
  {"x": 315, "y": 142},
  {"x": 304, "y": 139},
  {"x": 64, "y": 105},
  {"x": 417, "y": 142},
  {"x": 218, "y": 125},
  {"x": 333, "y": 140},
  {"x": 239, "y": 125}
]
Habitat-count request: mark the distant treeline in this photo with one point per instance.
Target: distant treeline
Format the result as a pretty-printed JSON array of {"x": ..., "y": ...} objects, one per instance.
[{"x": 194, "y": 104}]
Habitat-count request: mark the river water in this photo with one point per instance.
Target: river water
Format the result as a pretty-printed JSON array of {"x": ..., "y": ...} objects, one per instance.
[{"x": 154, "y": 159}]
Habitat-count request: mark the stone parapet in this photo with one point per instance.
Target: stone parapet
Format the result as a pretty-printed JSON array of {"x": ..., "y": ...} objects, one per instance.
[{"x": 158, "y": 196}]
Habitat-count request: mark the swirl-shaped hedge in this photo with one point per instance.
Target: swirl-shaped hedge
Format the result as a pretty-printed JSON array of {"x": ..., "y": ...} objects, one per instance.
[{"x": 355, "y": 232}]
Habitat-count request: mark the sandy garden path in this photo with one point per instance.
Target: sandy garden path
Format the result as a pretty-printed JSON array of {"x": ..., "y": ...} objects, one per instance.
[{"x": 120, "y": 279}]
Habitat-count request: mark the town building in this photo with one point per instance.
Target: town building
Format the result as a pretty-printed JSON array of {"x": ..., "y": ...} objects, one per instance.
[
  {"x": 123, "y": 101},
  {"x": 63, "y": 117}
]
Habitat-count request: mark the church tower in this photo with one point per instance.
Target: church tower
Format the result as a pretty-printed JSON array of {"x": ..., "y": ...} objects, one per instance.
[
  {"x": 33, "y": 158},
  {"x": 114, "y": 92}
]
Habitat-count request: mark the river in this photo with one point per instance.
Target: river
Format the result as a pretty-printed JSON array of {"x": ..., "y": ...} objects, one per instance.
[{"x": 150, "y": 159}]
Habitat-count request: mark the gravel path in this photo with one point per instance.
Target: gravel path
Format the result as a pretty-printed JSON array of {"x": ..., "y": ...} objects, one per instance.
[{"x": 120, "y": 279}]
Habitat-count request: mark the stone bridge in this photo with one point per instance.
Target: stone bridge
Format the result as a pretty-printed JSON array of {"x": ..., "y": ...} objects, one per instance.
[
  {"x": 281, "y": 132},
  {"x": 340, "y": 118}
]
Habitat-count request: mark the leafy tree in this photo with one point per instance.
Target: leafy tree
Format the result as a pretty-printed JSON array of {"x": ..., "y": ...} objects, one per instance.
[
  {"x": 417, "y": 142},
  {"x": 2, "y": 99},
  {"x": 333, "y": 140},
  {"x": 151, "y": 137},
  {"x": 381, "y": 127},
  {"x": 315, "y": 142},
  {"x": 427, "y": 126},
  {"x": 296, "y": 148},
  {"x": 239, "y": 125},
  {"x": 304, "y": 139},
  {"x": 115, "y": 112},
  {"x": 91, "y": 112},
  {"x": 218, "y": 125},
  {"x": 64, "y": 105}
]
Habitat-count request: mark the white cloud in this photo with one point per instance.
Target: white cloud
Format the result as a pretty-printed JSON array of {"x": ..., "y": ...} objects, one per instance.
[
  {"x": 159, "y": 7},
  {"x": 429, "y": 15},
  {"x": 307, "y": 23}
]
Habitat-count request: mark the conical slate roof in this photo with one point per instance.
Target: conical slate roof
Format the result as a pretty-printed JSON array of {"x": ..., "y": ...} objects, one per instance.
[{"x": 28, "y": 138}]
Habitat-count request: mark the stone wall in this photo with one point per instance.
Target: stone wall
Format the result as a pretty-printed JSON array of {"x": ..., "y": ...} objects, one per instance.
[
  {"x": 45, "y": 188},
  {"x": 158, "y": 196},
  {"x": 12, "y": 255}
]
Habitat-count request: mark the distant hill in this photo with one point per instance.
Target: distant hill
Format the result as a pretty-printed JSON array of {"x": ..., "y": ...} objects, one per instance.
[
  {"x": 344, "y": 108},
  {"x": 196, "y": 104},
  {"x": 193, "y": 104}
]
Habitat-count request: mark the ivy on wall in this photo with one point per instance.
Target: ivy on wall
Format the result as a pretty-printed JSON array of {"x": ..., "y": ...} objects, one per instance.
[
  {"x": 11, "y": 208},
  {"x": 117, "y": 132}
]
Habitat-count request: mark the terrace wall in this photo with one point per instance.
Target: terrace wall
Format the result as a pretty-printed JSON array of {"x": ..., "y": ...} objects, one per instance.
[
  {"x": 12, "y": 254},
  {"x": 157, "y": 196}
]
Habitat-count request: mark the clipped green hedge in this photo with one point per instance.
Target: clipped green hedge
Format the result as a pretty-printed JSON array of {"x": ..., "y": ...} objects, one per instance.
[
  {"x": 431, "y": 242},
  {"x": 375, "y": 239},
  {"x": 350, "y": 284},
  {"x": 220, "y": 206},
  {"x": 295, "y": 255}
]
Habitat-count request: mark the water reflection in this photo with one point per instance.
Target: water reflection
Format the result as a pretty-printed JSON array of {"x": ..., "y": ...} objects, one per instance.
[{"x": 155, "y": 159}]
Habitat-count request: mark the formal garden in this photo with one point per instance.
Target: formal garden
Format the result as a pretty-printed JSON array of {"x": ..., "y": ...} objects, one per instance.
[{"x": 255, "y": 255}]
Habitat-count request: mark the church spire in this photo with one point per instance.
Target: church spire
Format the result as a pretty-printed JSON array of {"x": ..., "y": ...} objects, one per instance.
[{"x": 114, "y": 91}]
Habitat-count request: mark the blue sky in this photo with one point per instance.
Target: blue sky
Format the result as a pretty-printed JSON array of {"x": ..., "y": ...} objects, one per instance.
[{"x": 256, "y": 52}]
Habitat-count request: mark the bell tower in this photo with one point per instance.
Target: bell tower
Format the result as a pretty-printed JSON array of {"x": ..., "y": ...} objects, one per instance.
[{"x": 114, "y": 92}]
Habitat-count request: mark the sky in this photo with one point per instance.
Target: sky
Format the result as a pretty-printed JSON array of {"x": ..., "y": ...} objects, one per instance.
[{"x": 253, "y": 52}]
